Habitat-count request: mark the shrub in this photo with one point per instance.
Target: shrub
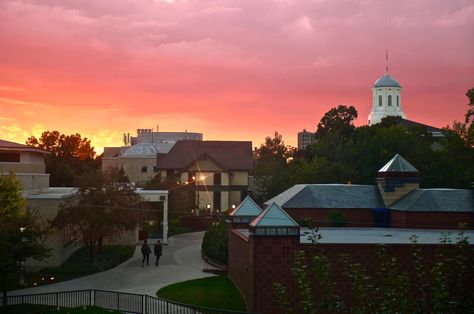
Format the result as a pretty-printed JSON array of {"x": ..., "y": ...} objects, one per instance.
[
  {"x": 216, "y": 242},
  {"x": 336, "y": 218}
]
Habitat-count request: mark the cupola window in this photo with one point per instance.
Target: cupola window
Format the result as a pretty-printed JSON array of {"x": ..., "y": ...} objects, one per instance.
[
  {"x": 380, "y": 100},
  {"x": 398, "y": 100},
  {"x": 389, "y": 100}
]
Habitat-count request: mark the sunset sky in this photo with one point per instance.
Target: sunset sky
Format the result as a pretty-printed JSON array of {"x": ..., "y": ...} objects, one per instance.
[{"x": 236, "y": 70}]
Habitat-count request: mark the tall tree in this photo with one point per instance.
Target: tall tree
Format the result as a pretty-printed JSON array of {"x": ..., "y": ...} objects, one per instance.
[
  {"x": 338, "y": 120},
  {"x": 106, "y": 205},
  {"x": 21, "y": 234},
  {"x": 71, "y": 156}
]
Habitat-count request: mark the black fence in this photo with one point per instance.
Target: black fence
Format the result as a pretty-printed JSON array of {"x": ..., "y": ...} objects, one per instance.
[{"x": 109, "y": 300}]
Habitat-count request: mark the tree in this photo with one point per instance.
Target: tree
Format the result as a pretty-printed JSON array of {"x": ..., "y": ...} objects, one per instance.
[
  {"x": 338, "y": 120},
  {"x": 271, "y": 160},
  {"x": 71, "y": 156},
  {"x": 21, "y": 234},
  {"x": 105, "y": 206}
]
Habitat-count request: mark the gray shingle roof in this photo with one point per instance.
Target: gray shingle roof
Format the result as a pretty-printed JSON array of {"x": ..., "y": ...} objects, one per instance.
[
  {"x": 398, "y": 164},
  {"x": 230, "y": 155},
  {"x": 274, "y": 216},
  {"x": 12, "y": 146},
  {"x": 336, "y": 196},
  {"x": 437, "y": 200},
  {"x": 247, "y": 208}
]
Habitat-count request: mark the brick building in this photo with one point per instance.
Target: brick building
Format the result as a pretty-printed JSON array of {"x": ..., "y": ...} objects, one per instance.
[{"x": 261, "y": 249}]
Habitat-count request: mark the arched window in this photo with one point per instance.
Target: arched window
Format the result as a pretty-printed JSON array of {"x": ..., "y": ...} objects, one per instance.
[
  {"x": 398, "y": 100},
  {"x": 380, "y": 100},
  {"x": 389, "y": 100}
]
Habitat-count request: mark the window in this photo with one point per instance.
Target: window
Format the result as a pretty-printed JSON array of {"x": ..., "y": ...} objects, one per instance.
[
  {"x": 260, "y": 231},
  {"x": 155, "y": 169},
  {"x": 389, "y": 100},
  {"x": 169, "y": 173},
  {"x": 398, "y": 100},
  {"x": 144, "y": 169},
  {"x": 380, "y": 100}
]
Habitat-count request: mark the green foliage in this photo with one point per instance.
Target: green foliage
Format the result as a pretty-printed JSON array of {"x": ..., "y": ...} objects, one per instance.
[
  {"x": 338, "y": 121},
  {"x": 21, "y": 233},
  {"x": 71, "y": 156},
  {"x": 213, "y": 292},
  {"x": 106, "y": 205},
  {"x": 336, "y": 218},
  {"x": 442, "y": 285},
  {"x": 215, "y": 243}
]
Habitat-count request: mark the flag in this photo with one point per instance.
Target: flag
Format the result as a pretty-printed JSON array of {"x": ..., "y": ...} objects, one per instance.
[{"x": 386, "y": 54}]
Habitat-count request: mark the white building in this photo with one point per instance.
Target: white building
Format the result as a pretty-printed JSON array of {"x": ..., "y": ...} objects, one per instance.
[
  {"x": 305, "y": 138},
  {"x": 386, "y": 99}
]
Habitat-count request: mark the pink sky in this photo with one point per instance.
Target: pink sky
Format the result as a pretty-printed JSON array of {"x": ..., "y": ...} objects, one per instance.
[{"x": 236, "y": 70}]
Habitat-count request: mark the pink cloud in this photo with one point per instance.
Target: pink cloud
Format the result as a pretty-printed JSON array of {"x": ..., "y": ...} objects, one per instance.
[{"x": 230, "y": 69}]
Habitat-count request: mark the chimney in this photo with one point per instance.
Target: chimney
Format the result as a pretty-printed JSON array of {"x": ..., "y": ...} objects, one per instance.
[{"x": 397, "y": 179}]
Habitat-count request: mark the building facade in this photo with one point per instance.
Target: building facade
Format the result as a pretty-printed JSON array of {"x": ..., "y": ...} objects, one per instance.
[
  {"x": 305, "y": 138},
  {"x": 219, "y": 171}
]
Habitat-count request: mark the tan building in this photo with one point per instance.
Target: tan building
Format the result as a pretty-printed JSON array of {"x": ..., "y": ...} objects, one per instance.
[{"x": 218, "y": 169}]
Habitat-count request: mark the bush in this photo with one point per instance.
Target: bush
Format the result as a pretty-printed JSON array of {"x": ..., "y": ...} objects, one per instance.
[
  {"x": 216, "y": 242},
  {"x": 336, "y": 218}
]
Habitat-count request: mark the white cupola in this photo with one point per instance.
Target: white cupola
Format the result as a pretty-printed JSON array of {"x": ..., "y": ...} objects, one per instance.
[{"x": 386, "y": 99}]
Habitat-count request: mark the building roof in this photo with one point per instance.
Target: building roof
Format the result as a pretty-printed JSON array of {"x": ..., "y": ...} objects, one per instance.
[
  {"x": 274, "y": 216},
  {"x": 247, "y": 208},
  {"x": 230, "y": 155},
  {"x": 378, "y": 235},
  {"x": 386, "y": 81},
  {"x": 437, "y": 200},
  {"x": 398, "y": 164},
  {"x": 285, "y": 196},
  {"x": 142, "y": 150},
  {"x": 436, "y": 132},
  {"x": 12, "y": 146},
  {"x": 335, "y": 196}
]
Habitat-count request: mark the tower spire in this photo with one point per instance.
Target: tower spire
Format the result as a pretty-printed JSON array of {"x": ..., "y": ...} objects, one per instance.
[{"x": 386, "y": 61}]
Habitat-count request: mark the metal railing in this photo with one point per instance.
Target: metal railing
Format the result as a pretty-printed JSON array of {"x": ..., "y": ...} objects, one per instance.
[{"x": 109, "y": 300}]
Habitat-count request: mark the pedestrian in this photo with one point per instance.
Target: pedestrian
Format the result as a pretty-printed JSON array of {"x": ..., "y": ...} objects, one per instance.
[
  {"x": 158, "y": 251},
  {"x": 146, "y": 253}
]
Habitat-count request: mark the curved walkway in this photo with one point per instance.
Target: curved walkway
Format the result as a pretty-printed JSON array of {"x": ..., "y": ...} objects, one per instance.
[{"x": 181, "y": 261}]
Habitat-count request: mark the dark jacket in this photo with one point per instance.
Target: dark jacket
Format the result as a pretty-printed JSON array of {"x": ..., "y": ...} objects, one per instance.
[
  {"x": 158, "y": 249},
  {"x": 145, "y": 249}
]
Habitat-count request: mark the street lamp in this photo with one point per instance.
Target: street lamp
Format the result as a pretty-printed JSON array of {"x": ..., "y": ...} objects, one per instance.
[{"x": 22, "y": 263}]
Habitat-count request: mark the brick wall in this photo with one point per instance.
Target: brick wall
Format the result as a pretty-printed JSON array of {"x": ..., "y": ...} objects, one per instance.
[
  {"x": 355, "y": 217},
  {"x": 256, "y": 263},
  {"x": 430, "y": 220}
]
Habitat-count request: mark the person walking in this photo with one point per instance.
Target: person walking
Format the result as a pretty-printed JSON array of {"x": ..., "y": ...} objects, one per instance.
[
  {"x": 158, "y": 250},
  {"x": 146, "y": 253}
]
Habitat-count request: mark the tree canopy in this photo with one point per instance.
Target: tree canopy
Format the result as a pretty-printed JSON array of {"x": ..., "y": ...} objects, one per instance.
[
  {"x": 71, "y": 156},
  {"x": 21, "y": 234},
  {"x": 338, "y": 120},
  {"x": 105, "y": 205}
]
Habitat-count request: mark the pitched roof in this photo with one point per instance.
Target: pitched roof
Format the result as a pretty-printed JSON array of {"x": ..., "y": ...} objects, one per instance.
[
  {"x": 398, "y": 164},
  {"x": 414, "y": 124},
  {"x": 247, "y": 208},
  {"x": 285, "y": 196},
  {"x": 230, "y": 155},
  {"x": 274, "y": 216},
  {"x": 437, "y": 200},
  {"x": 12, "y": 146},
  {"x": 335, "y": 196}
]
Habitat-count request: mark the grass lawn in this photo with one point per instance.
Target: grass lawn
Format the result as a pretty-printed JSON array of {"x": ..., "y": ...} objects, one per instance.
[
  {"x": 215, "y": 292},
  {"x": 77, "y": 265}
]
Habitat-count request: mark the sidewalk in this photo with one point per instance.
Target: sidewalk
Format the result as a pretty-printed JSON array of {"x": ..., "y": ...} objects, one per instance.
[{"x": 181, "y": 261}]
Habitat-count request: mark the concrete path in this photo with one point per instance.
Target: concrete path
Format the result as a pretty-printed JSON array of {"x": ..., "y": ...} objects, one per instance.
[{"x": 181, "y": 261}]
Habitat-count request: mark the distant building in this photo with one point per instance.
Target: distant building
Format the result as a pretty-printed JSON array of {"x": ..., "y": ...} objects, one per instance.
[
  {"x": 139, "y": 160},
  {"x": 218, "y": 169},
  {"x": 305, "y": 138},
  {"x": 386, "y": 99}
]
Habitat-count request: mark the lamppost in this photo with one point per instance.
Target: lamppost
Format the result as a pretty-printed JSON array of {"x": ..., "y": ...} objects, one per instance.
[{"x": 22, "y": 263}]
